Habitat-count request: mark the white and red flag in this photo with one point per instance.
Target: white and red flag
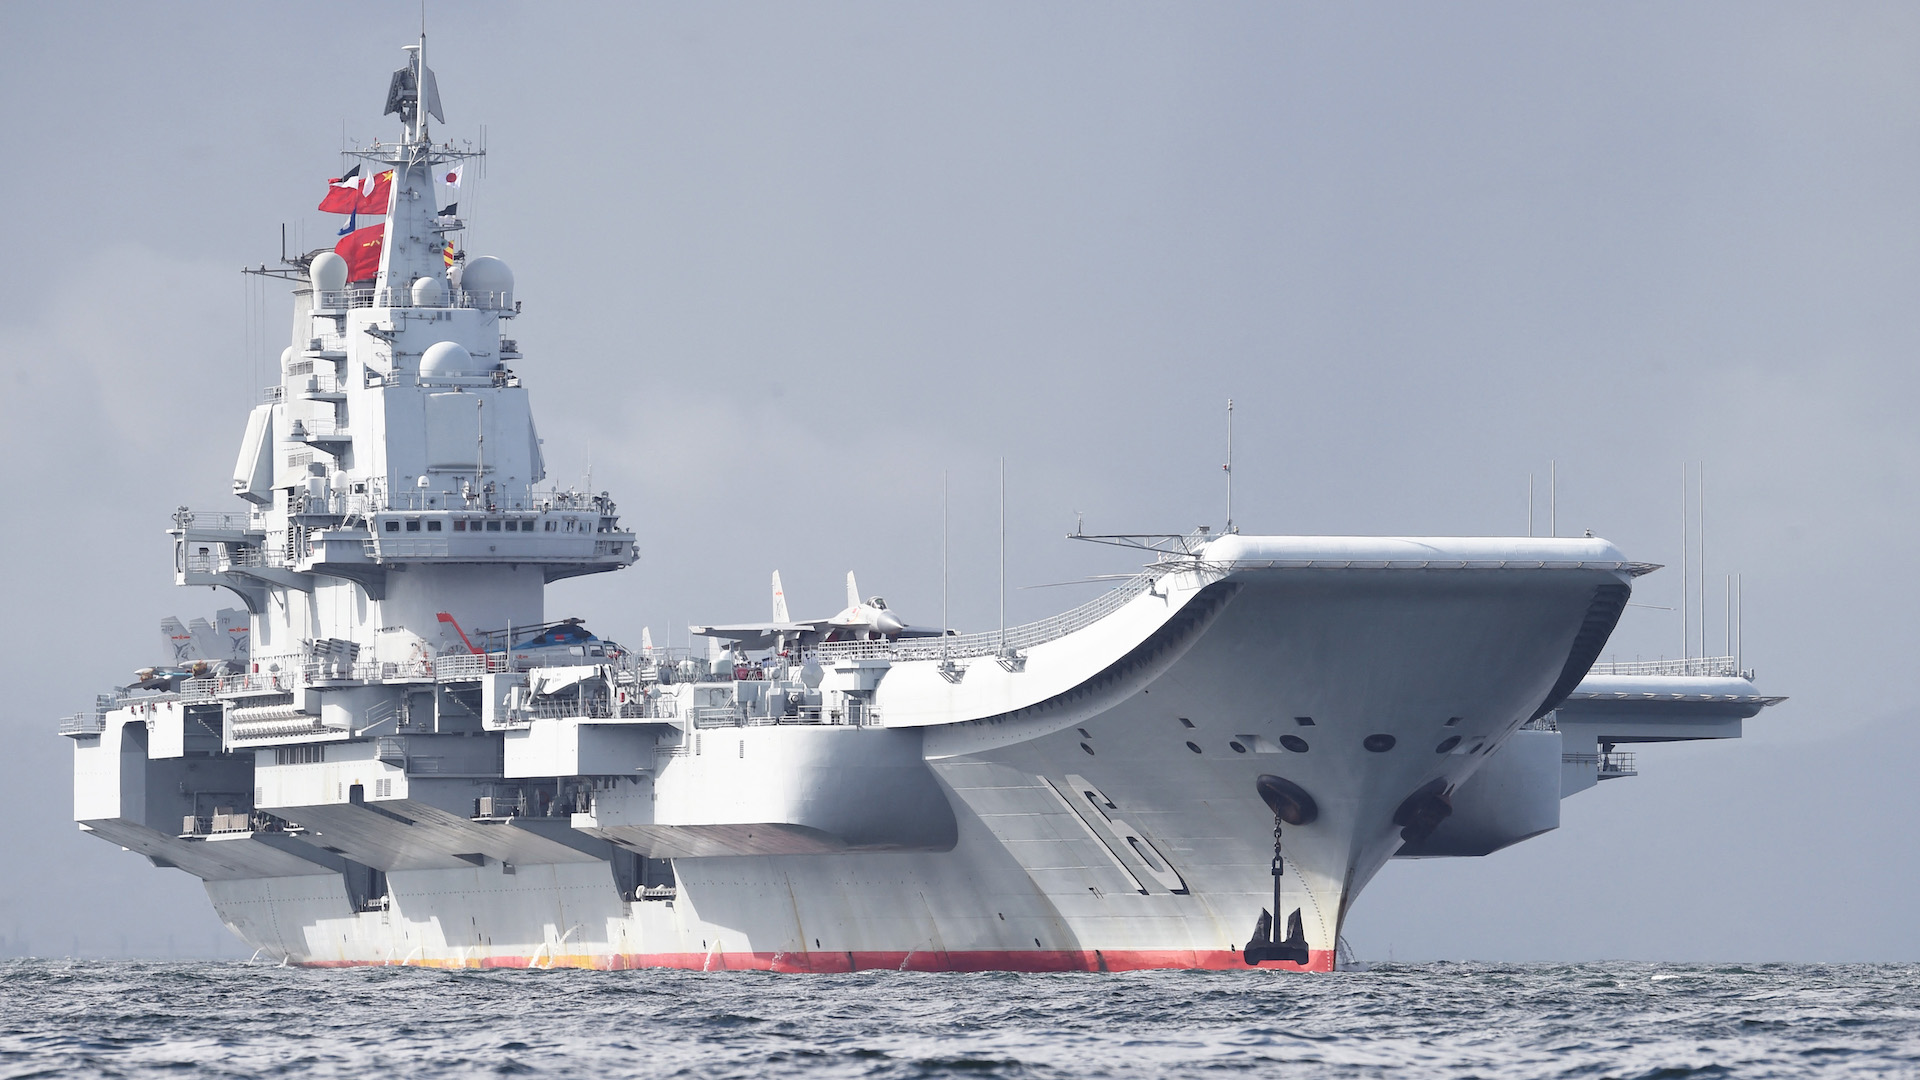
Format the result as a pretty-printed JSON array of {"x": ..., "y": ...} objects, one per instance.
[{"x": 343, "y": 193}]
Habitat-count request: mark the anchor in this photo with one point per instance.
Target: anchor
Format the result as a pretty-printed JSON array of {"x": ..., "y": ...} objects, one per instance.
[{"x": 1291, "y": 805}]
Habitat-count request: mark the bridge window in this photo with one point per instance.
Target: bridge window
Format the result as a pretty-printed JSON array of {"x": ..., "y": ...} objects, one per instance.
[
  {"x": 393, "y": 526},
  {"x": 1185, "y": 723},
  {"x": 493, "y": 526},
  {"x": 413, "y": 524},
  {"x": 1303, "y": 721},
  {"x": 459, "y": 524},
  {"x": 434, "y": 525}
]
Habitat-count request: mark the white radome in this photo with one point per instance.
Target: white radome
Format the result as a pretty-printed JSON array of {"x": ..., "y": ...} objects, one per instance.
[
  {"x": 328, "y": 272},
  {"x": 488, "y": 282}
]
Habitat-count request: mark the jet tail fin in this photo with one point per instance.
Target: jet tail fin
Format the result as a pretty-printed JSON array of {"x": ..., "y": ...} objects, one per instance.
[
  {"x": 646, "y": 641},
  {"x": 206, "y": 643},
  {"x": 179, "y": 641},
  {"x": 779, "y": 600},
  {"x": 714, "y": 653},
  {"x": 853, "y": 591},
  {"x": 233, "y": 627}
]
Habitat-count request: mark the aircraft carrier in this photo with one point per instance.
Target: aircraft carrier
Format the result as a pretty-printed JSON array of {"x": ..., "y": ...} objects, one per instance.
[{"x": 393, "y": 753}]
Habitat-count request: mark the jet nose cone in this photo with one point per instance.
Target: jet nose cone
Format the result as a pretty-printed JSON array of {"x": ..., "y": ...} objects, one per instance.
[{"x": 887, "y": 624}]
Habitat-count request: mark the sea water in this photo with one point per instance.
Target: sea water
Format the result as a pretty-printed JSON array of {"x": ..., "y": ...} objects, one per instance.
[{"x": 148, "y": 1019}]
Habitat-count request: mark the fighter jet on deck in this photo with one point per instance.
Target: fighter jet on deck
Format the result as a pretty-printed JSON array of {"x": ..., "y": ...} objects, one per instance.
[
  {"x": 197, "y": 650},
  {"x": 860, "y": 621}
]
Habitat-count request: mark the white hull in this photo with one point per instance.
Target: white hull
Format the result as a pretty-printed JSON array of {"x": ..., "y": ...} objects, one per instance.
[{"x": 1041, "y": 878}]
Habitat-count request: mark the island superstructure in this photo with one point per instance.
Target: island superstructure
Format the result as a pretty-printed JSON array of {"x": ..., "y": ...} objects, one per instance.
[{"x": 402, "y": 757}]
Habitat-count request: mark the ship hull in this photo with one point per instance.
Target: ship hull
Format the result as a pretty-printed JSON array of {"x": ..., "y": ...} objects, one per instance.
[{"x": 1132, "y": 839}]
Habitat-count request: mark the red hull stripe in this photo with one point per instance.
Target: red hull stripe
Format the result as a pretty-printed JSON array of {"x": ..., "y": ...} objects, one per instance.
[{"x": 842, "y": 962}]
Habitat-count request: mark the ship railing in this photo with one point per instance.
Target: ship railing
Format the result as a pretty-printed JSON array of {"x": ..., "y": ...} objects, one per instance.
[
  {"x": 234, "y": 555},
  {"x": 1606, "y": 766},
  {"x": 597, "y": 708},
  {"x": 366, "y": 671},
  {"x": 707, "y": 717},
  {"x": 397, "y": 548},
  {"x": 83, "y": 724},
  {"x": 403, "y": 298},
  {"x": 226, "y": 685},
  {"x": 306, "y": 381},
  {"x": 1617, "y": 764},
  {"x": 522, "y": 501},
  {"x": 312, "y": 427},
  {"x": 1720, "y": 667},
  {"x": 449, "y": 500},
  {"x": 458, "y": 667},
  {"x": 455, "y": 667},
  {"x": 221, "y": 520}
]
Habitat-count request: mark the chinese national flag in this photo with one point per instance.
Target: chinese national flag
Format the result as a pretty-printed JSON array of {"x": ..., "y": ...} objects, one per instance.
[
  {"x": 375, "y": 192},
  {"x": 361, "y": 249}
]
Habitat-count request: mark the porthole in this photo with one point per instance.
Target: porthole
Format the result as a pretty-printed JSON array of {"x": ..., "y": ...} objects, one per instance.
[
  {"x": 1185, "y": 723},
  {"x": 1303, "y": 721},
  {"x": 1237, "y": 748},
  {"x": 1087, "y": 748},
  {"x": 1294, "y": 743},
  {"x": 1379, "y": 744},
  {"x": 1195, "y": 747},
  {"x": 1447, "y": 744}
]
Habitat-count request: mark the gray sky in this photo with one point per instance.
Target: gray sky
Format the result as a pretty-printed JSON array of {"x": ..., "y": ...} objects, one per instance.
[{"x": 784, "y": 265}]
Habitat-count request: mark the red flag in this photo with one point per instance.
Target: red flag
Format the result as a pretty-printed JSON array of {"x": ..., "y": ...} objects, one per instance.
[
  {"x": 375, "y": 192},
  {"x": 343, "y": 193},
  {"x": 361, "y": 249}
]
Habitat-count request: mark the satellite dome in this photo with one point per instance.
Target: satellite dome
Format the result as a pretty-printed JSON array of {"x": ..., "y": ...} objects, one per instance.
[
  {"x": 428, "y": 292},
  {"x": 444, "y": 359},
  {"x": 488, "y": 282},
  {"x": 328, "y": 272}
]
